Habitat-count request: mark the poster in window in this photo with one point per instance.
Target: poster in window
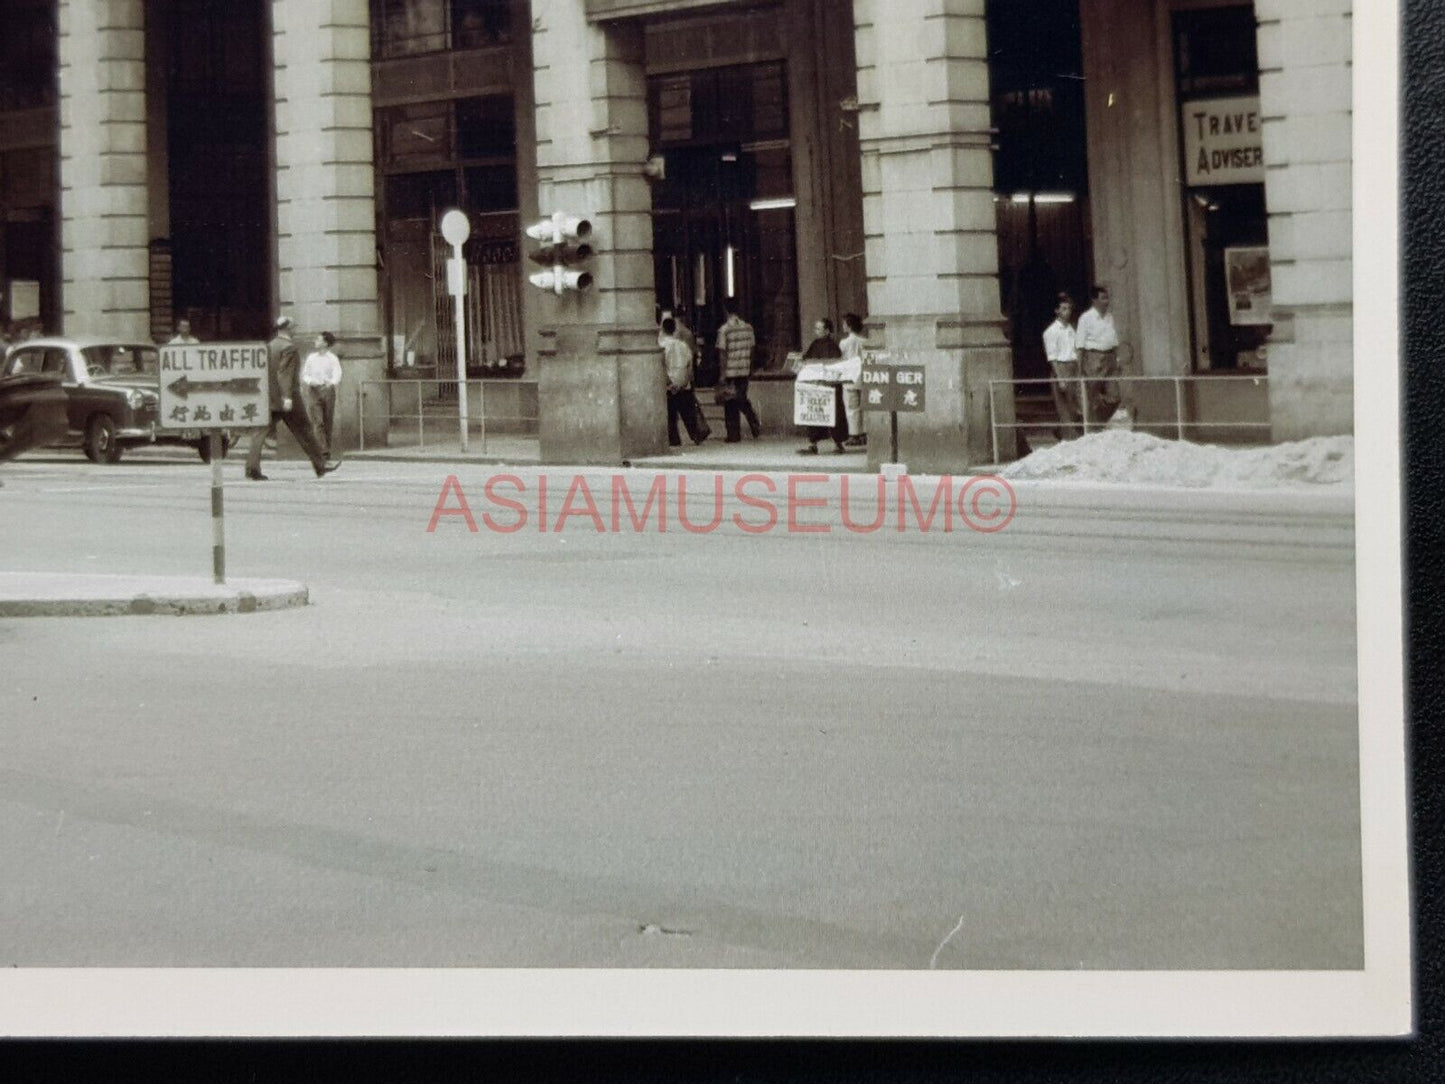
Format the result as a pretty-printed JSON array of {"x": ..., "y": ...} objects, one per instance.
[{"x": 1246, "y": 276}]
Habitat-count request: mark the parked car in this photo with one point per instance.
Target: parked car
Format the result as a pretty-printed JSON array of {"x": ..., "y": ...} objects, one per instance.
[{"x": 112, "y": 390}]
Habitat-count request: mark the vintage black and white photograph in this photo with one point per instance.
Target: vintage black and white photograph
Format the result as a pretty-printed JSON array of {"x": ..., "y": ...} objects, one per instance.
[{"x": 700, "y": 516}]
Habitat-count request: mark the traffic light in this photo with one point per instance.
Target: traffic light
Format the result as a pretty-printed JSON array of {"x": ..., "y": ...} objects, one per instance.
[{"x": 563, "y": 238}]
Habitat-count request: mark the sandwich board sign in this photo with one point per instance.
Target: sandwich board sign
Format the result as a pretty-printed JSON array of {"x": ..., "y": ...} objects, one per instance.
[{"x": 214, "y": 386}]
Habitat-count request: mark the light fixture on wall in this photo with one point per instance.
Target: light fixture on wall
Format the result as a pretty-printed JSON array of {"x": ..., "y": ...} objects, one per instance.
[
  {"x": 730, "y": 272},
  {"x": 779, "y": 203},
  {"x": 1042, "y": 197}
]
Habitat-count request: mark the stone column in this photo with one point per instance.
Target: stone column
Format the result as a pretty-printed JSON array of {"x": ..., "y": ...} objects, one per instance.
[
  {"x": 103, "y": 184},
  {"x": 325, "y": 188},
  {"x": 932, "y": 249},
  {"x": 600, "y": 384},
  {"x": 1305, "y": 102}
]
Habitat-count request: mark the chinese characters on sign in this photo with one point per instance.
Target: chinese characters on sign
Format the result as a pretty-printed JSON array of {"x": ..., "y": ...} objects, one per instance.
[
  {"x": 214, "y": 386},
  {"x": 893, "y": 388}
]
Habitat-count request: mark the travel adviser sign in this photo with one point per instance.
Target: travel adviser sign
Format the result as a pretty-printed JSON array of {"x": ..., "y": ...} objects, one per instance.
[{"x": 1222, "y": 142}]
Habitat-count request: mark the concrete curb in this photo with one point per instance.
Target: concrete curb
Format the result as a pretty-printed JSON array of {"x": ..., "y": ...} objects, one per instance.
[{"x": 59, "y": 594}]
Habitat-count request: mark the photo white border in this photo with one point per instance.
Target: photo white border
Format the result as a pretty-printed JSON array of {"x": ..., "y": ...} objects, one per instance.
[{"x": 556, "y": 1002}]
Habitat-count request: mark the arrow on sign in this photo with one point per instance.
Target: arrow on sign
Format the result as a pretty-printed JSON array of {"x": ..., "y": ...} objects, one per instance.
[{"x": 185, "y": 387}]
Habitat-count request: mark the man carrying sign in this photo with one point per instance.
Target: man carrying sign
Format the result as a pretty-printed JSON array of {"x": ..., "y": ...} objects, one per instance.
[{"x": 283, "y": 373}]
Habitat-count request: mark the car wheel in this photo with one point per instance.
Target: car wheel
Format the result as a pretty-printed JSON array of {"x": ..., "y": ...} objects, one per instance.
[{"x": 100, "y": 443}]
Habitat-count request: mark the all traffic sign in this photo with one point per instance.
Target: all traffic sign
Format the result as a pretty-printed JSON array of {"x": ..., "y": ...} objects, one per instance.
[{"x": 214, "y": 386}]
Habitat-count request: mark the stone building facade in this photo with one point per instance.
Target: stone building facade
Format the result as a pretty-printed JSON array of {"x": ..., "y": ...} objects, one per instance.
[{"x": 942, "y": 167}]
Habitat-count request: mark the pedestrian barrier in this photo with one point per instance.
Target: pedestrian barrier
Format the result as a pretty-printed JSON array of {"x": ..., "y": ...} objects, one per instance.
[
  {"x": 504, "y": 405},
  {"x": 1179, "y": 424}
]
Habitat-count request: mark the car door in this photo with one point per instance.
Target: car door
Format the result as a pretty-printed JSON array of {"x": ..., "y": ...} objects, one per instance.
[{"x": 56, "y": 361}]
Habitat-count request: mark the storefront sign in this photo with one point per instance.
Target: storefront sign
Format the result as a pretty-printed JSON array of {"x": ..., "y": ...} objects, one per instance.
[
  {"x": 1222, "y": 142},
  {"x": 899, "y": 388},
  {"x": 1246, "y": 275}
]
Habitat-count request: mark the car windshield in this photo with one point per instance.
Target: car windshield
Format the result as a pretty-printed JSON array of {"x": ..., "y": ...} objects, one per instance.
[{"x": 122, "y": 360}]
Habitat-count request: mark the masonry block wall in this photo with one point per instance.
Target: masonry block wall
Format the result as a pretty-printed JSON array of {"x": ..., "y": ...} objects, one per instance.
[
  {"x": 929, "y": 221},
  {"x": 600, "y": 381},
  {"x": 103, "y": 184},
  {"x": 325, "y": 185},
  {"x": 1305, "y": 99}
]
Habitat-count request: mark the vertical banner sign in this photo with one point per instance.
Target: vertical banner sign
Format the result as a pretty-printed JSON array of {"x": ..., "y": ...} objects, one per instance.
[{"x": 215, "y": 387}]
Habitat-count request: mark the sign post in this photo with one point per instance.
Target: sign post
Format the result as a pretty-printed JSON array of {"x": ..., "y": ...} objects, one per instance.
[
  {"x": 898, "y": 389},
  {"x": 213, "y": 387},
  {"x": 456, "y": 228}
]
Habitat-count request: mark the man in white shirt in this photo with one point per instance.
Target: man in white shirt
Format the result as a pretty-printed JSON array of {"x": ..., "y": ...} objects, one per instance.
[
  {"x": 1061, "y": 349},
  {"x": 320, "y": 377},
  {"x": 183, "y": 336},
  {"x": 677, "y": 361},
  {"x": 1098, "y": 345},
  {"x": 853, "y": 347}
]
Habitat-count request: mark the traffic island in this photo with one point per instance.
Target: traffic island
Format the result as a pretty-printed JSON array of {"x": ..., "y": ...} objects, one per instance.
[{"x": 62, "y": 594}]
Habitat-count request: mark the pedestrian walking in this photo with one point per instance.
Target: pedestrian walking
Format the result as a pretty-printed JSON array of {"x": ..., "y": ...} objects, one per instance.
[
  {"x": 1097, "y": 341},
  {"x": 824, "y": 347},
  {"x": 736, "y": 341},
  {"x": 677, "y": 364},
  {"x": 1061, "y": 348},
  {"x": 853, "y": 347},
  {"x": 320, "y": 378},
  {"x": 183, "y": 336},
  {"x": 283, "y": 376}
]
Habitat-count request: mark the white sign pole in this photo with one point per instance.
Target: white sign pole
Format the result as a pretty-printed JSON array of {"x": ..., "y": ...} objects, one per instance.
[{"x": 456, "y": 229}]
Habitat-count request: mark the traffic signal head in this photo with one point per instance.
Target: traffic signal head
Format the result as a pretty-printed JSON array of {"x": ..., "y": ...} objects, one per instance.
[
  {"x": 559, "y": 280},
  {"x": 562, "y": 236}
]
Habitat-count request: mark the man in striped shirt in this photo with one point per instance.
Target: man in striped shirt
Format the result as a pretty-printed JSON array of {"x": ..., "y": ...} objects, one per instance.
[{"x": 735, "y": 344}]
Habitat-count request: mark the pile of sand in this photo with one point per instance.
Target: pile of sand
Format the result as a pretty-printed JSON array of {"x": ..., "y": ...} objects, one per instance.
[{"x": 1118, "y": 455}]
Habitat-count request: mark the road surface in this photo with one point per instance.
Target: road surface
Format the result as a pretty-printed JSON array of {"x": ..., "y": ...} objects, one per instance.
[{"x": 1098, "y": 738}]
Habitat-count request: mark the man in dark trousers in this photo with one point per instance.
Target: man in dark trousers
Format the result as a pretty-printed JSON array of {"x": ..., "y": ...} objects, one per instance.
[
  {"x": 284, "y": 375},
  {"x": 824, "y": 347},
  {"x": 735, "y": 343}
]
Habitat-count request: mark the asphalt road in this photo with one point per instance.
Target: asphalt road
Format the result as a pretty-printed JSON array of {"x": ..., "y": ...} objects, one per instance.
[{"x": 1102, "y": 737}]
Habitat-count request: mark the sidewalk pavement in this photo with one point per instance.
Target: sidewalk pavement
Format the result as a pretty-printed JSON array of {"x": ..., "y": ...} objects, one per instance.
[
  {"x": 66, "y": 594},
  {"x": 768, "y": 454}
]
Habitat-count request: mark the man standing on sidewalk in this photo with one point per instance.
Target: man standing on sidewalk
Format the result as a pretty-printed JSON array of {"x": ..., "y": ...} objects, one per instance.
[
  {"x": 283, "y": 375},
  {"x": 853, "y": 347},
  {"x": 183, "y": 336},
  {"x": 681, "y": 402},
  {"x": 1098, "y": 345},
  {"x": 320, "y": 377},
  {"x": 1060, "y": 347},
  {"x": 735, "y": 342}
]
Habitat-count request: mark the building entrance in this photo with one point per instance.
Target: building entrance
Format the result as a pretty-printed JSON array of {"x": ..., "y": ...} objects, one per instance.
[
  {"x": 1222, "y": 164},
  {"x": 719, "y": 243},
  {"x": 723, "y": 213}
]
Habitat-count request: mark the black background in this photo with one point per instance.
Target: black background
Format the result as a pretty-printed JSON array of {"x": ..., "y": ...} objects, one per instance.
[{"x": 1423, "y": 1058}]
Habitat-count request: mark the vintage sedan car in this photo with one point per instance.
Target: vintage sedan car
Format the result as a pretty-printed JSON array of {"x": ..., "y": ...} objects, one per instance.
[{"x": 112, "y": 390}]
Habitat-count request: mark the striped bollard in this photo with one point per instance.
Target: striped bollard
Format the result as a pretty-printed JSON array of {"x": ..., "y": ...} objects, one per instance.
[{"x": 218, "y": 511}]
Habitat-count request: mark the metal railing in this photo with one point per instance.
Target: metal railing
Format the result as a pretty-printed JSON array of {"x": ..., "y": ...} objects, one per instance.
[
  {"x": 1179, "y": 423},
  {"x": 439, "y": 407}
]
